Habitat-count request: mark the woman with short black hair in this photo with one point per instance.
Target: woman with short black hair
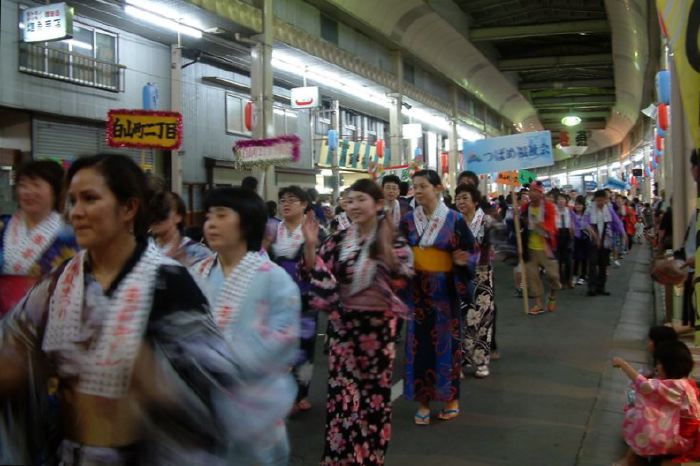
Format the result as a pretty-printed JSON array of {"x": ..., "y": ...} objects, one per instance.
[
  {"x": 35, "y": 239},
  {"x": 168, "y": 214},
  {"x": 256, "y": 305},
  {"x": 111, "y": 326}
]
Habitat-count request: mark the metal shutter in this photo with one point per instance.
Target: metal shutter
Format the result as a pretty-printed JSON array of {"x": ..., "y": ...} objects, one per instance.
[{"x": 68, "y": 141}]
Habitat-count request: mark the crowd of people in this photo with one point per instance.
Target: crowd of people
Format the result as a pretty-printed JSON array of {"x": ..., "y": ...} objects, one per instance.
[{"x": 128, "y": 341}]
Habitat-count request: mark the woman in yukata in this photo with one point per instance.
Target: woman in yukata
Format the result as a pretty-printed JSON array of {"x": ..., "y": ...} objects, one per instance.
[
  {"x": 168, "y": 212},
  {"x": 287, "y": 250},
  {"x": 355, "y": 275},
  {"x": 442, "y": 244},
  {"x": 480, "y": 312},
  {"x": 256, "y": 305},
  {"x": 35, "y": 239},
  {"x": 113, "y": 359}
]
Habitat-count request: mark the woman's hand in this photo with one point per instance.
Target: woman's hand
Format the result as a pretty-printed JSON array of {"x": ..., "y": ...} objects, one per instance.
[
  {"x": 310, "y": 229},
  {"x": 460, "y": 257},
  {"x": 617, "y": 362}
]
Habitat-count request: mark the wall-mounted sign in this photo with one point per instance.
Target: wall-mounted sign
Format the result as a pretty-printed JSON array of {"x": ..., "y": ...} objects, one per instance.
[
  {"x": 47, "y": 23},
  {"x": 306, "y": 97},
  {"x": 144, "y": 129},
  {"x": 412, "y": 131},
  {"x": 508, "y": 178}
]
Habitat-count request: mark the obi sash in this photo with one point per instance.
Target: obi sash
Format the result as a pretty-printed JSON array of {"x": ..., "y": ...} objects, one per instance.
[
  {"x": 12, "y": 290},
  {"x": 432, "y": 260}
]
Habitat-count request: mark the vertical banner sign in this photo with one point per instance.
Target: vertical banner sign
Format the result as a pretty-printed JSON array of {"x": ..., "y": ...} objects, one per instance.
[
  {"x": 681, "y": 19},
  {"x": 506, "y": 153}
]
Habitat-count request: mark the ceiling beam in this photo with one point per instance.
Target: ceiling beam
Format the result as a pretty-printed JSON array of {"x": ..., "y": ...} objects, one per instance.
[
  {"x": 498, "y": 33},
  {"x": 564, "y": 61},
  {"x": 573, "y": 129},
  {"x": 558, "y": 115},
  {"x": 574, "y": 101},
  {"x": 571, "y": 84}
]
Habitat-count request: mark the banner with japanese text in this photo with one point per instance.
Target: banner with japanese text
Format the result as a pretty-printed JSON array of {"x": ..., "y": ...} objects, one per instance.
[
  {"x": 506, "y": 153},
  {"x": 144, "y": 129}
]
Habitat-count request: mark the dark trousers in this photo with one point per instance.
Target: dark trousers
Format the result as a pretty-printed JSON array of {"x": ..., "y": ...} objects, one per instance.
[
  {"x": 564, "y": 256},
  {"x": 689, "y": 312},
  {"x": 581, "y": 251},
  {"x": 598, "y": 262}
]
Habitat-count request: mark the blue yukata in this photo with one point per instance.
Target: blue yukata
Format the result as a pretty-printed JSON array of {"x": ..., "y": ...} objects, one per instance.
[{"x": 257, "y": 309}]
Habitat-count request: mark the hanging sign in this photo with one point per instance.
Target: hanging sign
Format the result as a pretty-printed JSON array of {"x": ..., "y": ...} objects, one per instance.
[
  {"x": 47, "y": 23},
  {"x": 515, "y": 152},
  {"x": 306, "y": 97},
  {"x": 681, "y": 20},
  {"x": 526, "y": 177},
  {"x": 270, "y": 151},
  {"x": 412, "y": 131},
  {"x": 144, "y": 129},
  {"x": 508, "y": 178}
]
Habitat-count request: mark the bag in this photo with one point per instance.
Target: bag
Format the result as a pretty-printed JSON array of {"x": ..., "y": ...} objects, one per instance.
[{"x": 668, "y": 271}]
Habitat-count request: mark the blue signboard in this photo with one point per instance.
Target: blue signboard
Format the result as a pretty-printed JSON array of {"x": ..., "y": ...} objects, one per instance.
[{"x": 516, "y": 152}]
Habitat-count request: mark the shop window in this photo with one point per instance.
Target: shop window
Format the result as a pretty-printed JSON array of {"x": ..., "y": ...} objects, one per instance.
[
  {"x": 329, "y": 29},
  {"x": 235, "y": 115},
  {"x": 90, "y": 58}
]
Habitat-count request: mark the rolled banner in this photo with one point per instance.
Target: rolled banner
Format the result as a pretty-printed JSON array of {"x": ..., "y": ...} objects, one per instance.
[{"x": 663, "y": 87}]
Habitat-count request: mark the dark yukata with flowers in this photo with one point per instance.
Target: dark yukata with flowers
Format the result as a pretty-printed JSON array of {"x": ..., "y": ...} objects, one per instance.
[{"x": 359, "y": 295}]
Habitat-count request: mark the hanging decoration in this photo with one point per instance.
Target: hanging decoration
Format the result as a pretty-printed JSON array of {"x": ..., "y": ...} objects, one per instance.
[
  {"x": 332, "y": 139},
  {"x": 659, "y": 143},
  {"x": 660, "y": 131},
  {"x": 662, "y": 116},
  {"x": 270, "y": 151},
  {"x": 663, "y": 87}
]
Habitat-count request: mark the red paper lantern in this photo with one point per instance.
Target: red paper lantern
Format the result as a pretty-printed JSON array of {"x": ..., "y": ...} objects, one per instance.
[
  {"x": 662, "y": 116},
  {"x": 380, "y": 148},
  {"x": 564, "y": 138},
  {"x": 249, "y": 114},
  {"x": 659, "y": 143}
]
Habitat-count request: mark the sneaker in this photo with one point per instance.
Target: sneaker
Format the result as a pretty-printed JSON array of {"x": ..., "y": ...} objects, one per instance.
[
  {"x": 581, "y": 281},
  {"x": 482, "y": 372},
  {"x": 617, "y": 264},
  {"x": 551, "y": 305},
  {"x": 518, "y": 293}
]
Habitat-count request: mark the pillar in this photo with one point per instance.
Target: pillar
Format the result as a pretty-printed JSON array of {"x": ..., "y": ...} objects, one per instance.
[
  {"x": 175, "y": 106},
  {"x": 395, "y": 118},
  {"x": 261, "y": 93}
]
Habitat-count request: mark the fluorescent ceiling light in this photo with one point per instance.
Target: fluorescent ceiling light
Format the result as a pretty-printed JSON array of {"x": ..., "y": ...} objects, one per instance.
[
  {"x": 160, "y": 15},
  {"x": 291, "y": 63},
  {"x": 570, "y": 120}
]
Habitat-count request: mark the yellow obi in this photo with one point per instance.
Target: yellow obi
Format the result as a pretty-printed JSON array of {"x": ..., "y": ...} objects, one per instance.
[{"x": 432, "y": 260}]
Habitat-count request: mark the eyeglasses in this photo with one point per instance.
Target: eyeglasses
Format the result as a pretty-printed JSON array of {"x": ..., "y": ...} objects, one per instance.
[{"x": 288, "y": 200}]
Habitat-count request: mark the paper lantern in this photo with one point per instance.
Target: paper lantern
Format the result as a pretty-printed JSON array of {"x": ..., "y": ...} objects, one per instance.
[
  {"x": 654, "y": 163},
  {"x": 151, "y": 97},
  {"x": 249, "y": 116},
  {"x": 659, "y": 143},
  {"x": 662, "y": 116},
  {"x": 663, "y": 87},
  {"x": 380, "y": 148},
  {"x": 332, "y": 139},
  {"x": 658, "y": 153}
]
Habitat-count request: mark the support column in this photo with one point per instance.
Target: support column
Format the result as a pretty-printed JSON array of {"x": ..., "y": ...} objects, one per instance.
[
  {"x": 261, "y": 93},
  {"x": 676, "y": 150},
  {"x": 395, "y": 118},
  {"x": 454, "y": 150},
  {"x": 176, "y": 106},
  {"x": 335, "y": 123}
]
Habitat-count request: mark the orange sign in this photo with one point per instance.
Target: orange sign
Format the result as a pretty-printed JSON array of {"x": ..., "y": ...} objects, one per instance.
[{"x": 508, "y": 178}]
